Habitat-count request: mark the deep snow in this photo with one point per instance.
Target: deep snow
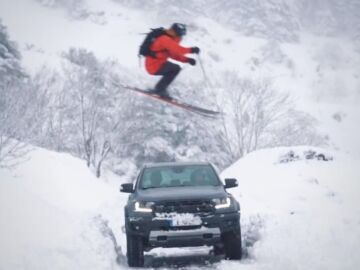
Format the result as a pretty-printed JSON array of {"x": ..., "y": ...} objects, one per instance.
[
  {"x": 303, "y": 214},
  {"x": 54, "y": 214},
  {"x": 308, "y": 210},
  {"x": 52, "y": 209}
]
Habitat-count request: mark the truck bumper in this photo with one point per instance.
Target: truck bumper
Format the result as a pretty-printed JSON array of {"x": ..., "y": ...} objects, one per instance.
[
  {"x": 183, "y": 238},
  {"x": 158, "y": 233}
]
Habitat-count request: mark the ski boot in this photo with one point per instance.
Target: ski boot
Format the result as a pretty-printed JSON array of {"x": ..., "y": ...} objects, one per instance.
[{"x": 160, "y": 93}]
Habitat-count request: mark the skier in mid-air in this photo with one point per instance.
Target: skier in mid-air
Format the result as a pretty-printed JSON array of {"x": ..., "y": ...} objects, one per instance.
[{"x": 160, "y": 45}]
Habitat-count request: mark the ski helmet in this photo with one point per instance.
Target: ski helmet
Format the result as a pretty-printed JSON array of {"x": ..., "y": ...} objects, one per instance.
[{"x": 179, "y": 28}]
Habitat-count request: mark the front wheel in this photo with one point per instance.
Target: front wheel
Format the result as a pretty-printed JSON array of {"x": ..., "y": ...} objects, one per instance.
[
  {"x": 135, "y": 250},
  {"x": 218, "y": 250},
  {"x": 232, "y": 245}
]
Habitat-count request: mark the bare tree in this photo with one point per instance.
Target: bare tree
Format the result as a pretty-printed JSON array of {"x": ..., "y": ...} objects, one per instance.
[
  {"x": 57, "y": 132},
  {"x": 12, "y": 106},
  {"x": 84, "y": 83},
  {"x": 297, "y": 128},
  {"x": 95, "y": 105},
  {"x": 16, "y": 123},
  {"x": 12, "y": 148},
  {"x": 99, "y": 159},
  {"x": 253, "y": 111}
]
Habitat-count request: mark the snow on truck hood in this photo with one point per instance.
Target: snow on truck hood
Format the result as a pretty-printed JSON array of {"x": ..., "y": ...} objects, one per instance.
[{"x": 181, "y": 193}]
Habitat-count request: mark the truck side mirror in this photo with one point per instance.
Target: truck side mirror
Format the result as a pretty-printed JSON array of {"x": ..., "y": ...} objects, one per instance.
[
  {"x": 127, "y": 188},
  {"x": 230, "y": 183}
]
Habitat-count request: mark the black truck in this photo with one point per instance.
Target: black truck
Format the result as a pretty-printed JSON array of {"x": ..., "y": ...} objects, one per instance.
[{"x": 179, "y": 205}]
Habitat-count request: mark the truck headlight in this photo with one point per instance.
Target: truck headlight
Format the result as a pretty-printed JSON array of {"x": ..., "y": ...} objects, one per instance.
[
  {"x": 222, "y": 203},
  {"x": 145, "y": 207}
]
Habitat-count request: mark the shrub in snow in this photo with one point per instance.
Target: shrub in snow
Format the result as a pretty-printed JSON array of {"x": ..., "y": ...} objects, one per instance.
[
  {"x": 20, "y": 106},
  {"x": 305, "y": 155},
  {"x": 338, "y": 116}
]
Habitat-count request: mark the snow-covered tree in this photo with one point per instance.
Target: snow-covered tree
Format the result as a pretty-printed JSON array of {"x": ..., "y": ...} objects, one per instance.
[
  {"x": 10, "y": 58},
  {"x": 88, "y": 100},
  {"x": 158, "y": 132},
  {"x": 257, "y": 116},
  {"x": 14, "y": 102}
]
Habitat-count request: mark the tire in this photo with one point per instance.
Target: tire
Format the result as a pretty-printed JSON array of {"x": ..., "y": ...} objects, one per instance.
[
  {"x": 135, "y": 250},
  {"x": 218, "y": 250},
  {"x": 232, "y": 245}
]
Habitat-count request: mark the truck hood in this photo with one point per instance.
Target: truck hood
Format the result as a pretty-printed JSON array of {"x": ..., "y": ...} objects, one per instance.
[{"x": 181, "y": 193}]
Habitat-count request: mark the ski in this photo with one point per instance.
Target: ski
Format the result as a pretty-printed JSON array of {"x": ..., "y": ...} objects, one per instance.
[{"x": 175, "y": 102}]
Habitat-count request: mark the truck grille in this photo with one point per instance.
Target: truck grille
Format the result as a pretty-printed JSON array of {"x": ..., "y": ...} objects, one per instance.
[{"x": 189, "y": 206}]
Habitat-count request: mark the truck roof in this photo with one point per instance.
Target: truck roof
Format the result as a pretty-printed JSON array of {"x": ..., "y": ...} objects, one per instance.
[{"x": 172, "y": 164}]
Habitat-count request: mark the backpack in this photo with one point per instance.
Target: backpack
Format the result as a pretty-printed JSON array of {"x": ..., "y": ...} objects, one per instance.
[{"x": 148, "y": 41}]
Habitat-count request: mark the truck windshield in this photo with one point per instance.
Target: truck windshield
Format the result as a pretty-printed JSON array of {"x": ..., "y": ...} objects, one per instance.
[{"x": 180, "y": 175}]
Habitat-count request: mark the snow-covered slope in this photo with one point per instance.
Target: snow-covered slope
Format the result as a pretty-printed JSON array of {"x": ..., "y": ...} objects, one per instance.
[
  {"x": 321, "y": 73},
  {"x": 297, "y": 213},
  {"x": 304, "y": 212},
  {"x": 44, "y": 33},
  {"x": 53, "y": 214}
]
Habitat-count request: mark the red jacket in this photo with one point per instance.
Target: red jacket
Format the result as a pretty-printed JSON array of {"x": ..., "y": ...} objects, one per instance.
[{"x": 165, "y": 47}]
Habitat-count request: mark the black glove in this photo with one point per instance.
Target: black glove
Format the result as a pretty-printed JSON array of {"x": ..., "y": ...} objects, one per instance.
[
  {"x": 191, "y": 61},
  {"x": 195, "y": 50}
]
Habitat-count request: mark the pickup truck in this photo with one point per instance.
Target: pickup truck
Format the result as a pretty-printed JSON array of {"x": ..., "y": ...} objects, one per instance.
[{"x": 180, "y": 205}]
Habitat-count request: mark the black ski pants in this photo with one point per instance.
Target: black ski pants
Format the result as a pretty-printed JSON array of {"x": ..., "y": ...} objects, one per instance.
[{"x": 169, "y": 71}]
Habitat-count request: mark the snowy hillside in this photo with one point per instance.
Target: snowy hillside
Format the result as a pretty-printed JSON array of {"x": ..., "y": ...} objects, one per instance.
[
  {"x": 304, "y": 210},
  {"x": 53, "y": 215},
  {"x": 297, "y": 213},
  {"x": 319, "y": 71},
  {"x": 59, "y": 60}
]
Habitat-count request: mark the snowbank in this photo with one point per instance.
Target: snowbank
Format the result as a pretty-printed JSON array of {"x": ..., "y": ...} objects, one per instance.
[
  {"x": 299, "y": 214},
  {"x": 53, "y": 214}
]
